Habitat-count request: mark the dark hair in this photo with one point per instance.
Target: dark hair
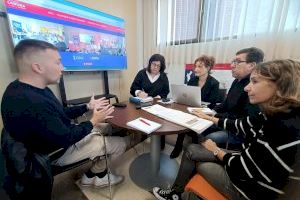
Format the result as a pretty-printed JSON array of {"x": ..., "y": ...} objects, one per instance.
[
  {"x": 157, "y": 57},
  {"x": 286, "y": 76},
  {"x": 253, "y": 54},
  {"x": 31, "y": 45},
  {"x": 209, "y": 61}
]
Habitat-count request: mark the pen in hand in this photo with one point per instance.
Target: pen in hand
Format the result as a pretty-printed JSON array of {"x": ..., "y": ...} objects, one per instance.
[{"x": 145, "y": 122}]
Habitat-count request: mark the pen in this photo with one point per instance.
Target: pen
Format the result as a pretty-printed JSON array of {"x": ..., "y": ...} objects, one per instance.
[{"x": 145, "y": 122}]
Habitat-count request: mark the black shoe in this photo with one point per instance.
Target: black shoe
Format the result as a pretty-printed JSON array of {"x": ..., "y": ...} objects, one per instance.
[
  {"x": 168, "y": 194},
  {"x": 176, "y": 151}
]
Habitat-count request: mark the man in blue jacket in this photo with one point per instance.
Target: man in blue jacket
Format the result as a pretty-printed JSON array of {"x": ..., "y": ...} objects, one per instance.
[{"x": 38, "y": 124}]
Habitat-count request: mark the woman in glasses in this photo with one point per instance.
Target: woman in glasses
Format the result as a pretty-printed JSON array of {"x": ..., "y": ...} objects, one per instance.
[
  {"x": 261, "y": 169},
  {"x": 151, "y": 81},
  {"x": 210, "y": 93}
]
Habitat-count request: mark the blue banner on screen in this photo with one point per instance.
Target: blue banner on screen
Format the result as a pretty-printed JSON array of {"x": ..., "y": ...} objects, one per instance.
[{"x": 87, "y": 39}]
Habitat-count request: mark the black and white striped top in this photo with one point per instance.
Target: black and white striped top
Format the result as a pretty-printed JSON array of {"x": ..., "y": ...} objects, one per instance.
[{"x": 261, "y": 169}]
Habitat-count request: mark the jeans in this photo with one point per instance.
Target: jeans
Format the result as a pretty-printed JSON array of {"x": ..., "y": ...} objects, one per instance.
[
  {"x": 222, "y": 137},
  {"x": 197, "y": 158}
]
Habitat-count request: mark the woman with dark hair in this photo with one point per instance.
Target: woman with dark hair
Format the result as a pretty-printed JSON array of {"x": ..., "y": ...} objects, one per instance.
[
  {"x": 261, "y": 169},
  {"x": 209, "y": 93},
  {"x": 151, "y": 81}
]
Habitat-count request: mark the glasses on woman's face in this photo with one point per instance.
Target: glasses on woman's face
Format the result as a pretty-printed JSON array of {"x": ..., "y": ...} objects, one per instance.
[
  {"x": 155, "y": 64},
  {"x": 237, "y": 62}
]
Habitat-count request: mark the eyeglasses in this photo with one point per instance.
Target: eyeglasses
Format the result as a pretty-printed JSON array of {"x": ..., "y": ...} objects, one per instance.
[
  {"x": 155, "y": 65},
  {"x": 237, "y": 62}
]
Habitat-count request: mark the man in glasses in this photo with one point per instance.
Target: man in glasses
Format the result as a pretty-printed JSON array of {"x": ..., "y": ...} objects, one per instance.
[{"x": 236, "y": 104}]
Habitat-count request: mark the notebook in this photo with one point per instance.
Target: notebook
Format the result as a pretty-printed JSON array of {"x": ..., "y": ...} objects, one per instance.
[
  {"x": 187, "y": 95},
  {"x": 144, "y": 125}
]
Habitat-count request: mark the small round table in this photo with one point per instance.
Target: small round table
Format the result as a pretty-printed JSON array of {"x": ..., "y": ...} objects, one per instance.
[{"x": 155, "y": 168}]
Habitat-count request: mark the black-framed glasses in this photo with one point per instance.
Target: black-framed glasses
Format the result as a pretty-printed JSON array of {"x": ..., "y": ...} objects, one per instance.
[
  {"x": 237, "y": 62},
  {"x": 155, "y": 65}
]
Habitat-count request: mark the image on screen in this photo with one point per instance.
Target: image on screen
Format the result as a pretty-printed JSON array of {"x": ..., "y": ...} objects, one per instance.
[{"x": 87, "y": 40}]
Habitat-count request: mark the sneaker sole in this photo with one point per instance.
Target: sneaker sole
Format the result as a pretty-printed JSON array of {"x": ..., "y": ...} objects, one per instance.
[
  {"x": 101, "y": 186},
  {"x": 158, "y": 197}
]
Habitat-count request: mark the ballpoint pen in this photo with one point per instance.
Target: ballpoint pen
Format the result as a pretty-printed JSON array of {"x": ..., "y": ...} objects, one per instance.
[{"x": 145, "y": 122}]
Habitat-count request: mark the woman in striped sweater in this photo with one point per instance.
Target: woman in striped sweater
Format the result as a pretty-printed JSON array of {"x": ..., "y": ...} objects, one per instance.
[{"x": 261, "y": 169}]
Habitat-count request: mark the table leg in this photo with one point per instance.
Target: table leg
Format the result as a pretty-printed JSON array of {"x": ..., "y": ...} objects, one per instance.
[
  {"x": 153, "y": 169},
  {"x": 155, "y": 153}
]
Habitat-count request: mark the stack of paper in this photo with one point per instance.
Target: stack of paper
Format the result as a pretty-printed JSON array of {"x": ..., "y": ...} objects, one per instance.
[
  {"x": 144, "y": 125},
  {"x": 176, "y": 116}
]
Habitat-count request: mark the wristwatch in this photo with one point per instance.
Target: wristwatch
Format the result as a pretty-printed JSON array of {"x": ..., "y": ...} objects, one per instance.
[{"x": 216, "y": 151}]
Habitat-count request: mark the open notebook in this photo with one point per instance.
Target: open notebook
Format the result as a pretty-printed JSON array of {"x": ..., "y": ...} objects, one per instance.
[{"x": 144, "y": 125}]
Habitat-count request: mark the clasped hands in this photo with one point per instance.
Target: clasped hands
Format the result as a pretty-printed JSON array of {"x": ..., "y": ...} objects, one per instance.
[{"x": 102, "y": 110}]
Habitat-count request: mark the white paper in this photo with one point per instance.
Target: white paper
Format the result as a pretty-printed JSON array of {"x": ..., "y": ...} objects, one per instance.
[
  {"x": 178, "y": 117},
  {"x": 144, "y": 125}
]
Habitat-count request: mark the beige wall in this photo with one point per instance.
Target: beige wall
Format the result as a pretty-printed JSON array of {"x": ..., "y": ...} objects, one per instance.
[{"x": 84, "y": 84}]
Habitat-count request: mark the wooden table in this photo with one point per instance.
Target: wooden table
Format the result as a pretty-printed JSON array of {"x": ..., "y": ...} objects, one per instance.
[{"x": 155, "y": 168}]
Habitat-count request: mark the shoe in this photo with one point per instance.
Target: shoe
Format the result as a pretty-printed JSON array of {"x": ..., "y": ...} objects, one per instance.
[
  {"x": 168, "y": 194},
  {"x": 101, "y": 182},
  {"x": 86, "y": 181},
  {"x": 176, "y": 151}
]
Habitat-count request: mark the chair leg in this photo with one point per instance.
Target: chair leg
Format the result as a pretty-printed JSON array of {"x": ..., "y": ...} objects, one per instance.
[{"x": 108, "y": 168}]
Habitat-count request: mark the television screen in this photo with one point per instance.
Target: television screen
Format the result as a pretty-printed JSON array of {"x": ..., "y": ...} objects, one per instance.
[{"x": 88, "y": 40}]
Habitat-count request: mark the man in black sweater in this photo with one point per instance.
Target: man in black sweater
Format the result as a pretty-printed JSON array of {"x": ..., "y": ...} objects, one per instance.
[
  {"x": 38, "y": 123},
  {"x": 236, "y": 104}
]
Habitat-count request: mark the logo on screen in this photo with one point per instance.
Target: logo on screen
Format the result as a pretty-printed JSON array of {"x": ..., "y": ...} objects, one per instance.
[{"x": 16, "y": 4}]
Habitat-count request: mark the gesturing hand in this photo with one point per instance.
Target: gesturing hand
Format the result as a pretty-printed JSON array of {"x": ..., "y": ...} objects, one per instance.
[
  {"x": 99, "y": 115},
  {"x": 98, "y": 103}
]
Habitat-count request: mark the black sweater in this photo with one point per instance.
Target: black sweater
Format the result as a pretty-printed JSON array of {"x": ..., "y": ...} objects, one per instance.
[
  {"x": 210, "y": 91},
  {"x": 261, "y": 170},
  {"x": 159, "y": 87},
  {"x": 35, "y": 117},
  {"x": 237, "y": 105}
]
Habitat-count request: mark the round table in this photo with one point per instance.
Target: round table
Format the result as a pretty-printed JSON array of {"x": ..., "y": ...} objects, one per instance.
[{"x": 155, "y": 168}]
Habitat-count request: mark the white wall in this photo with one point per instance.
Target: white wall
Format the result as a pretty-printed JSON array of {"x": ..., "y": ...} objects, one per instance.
[{"x": 83, "y": 84}]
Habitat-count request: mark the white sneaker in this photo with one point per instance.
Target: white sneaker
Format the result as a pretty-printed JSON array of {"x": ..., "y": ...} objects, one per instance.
[
  {"x": 103, "y": 182},
  {"x": 85, "y": 181}
]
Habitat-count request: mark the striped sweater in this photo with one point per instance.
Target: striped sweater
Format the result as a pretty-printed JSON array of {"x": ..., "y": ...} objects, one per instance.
[{"x": 261, "y": 169}]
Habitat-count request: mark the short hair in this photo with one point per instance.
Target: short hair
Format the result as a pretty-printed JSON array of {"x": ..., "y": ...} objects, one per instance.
[
  {"x": 209, "y": 61},
  {"x": 29, "y": 46},
  {"x": 253, "y": 54},
  {"x": 286, "y": 76},
  {"x": 157, "y": 57}
]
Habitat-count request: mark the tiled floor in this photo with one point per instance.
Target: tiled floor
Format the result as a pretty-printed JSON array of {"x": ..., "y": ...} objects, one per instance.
[{"x": 65, "y": 188}]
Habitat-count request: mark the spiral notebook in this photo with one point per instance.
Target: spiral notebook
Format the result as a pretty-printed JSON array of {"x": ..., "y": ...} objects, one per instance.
[{"x": 144, "y": 125}]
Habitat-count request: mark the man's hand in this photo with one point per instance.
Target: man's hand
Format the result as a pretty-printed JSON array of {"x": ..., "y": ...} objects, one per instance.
[
  {"x": 99, "y": 115},
  {"x": 99, "y": 103}
]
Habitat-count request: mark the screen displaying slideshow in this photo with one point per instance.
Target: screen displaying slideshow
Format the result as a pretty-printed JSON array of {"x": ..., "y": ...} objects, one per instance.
[{"x": 87, "y": 39}]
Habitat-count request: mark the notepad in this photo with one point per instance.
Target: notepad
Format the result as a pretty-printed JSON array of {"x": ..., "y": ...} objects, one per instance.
[{"x": 144, "y": 125}]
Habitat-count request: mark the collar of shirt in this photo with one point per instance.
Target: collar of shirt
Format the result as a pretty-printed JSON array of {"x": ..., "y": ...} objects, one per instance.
[{"x": 152, "y": 80}]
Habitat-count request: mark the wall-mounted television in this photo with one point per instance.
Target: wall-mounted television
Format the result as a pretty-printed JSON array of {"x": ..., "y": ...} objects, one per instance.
[{"x": 87, "y": 39}]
